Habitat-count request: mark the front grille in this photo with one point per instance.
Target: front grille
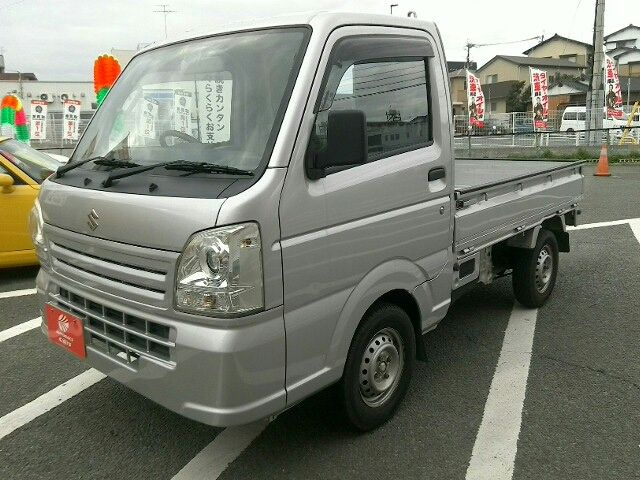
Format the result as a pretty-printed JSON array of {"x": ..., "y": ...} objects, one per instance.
[
  {"x": 145, "y": 279},
  {"x": 124, "y": 337}
]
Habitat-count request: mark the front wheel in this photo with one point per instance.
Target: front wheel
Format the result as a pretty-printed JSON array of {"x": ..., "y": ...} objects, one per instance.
[
  {"x": 535, "y": 271},
  {"x": 379, "y": 366}
]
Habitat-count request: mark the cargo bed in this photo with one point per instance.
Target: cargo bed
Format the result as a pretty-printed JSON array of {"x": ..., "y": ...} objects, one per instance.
[{"x": 497, "y": 198}]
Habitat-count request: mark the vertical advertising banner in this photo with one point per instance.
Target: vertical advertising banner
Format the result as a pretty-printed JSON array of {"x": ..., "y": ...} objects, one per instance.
[
  {"x": 475, "y": 101},
  {"x": 540, "y": 97},
  {"x": 71, "y": 119},
  {"x": 613, "y": 92},
  {"x": 38, "y": 120},
  {"x": 214, "y": 110}
]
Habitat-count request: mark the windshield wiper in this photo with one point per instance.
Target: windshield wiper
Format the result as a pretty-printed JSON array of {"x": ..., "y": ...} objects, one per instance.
[
  {"x": 184, "y": 165},
  {"x": 133, "y": 171},
  {"x": 204, "y": 167},
  {"x": 116, "y": 163},
  {"x": 100, "y": 160},
  {"x": 70, "y": 166}
]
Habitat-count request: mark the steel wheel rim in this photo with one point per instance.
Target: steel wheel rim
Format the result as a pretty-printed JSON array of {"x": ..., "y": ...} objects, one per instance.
[
  {"x": 544, "y": 269},
  {"x": 381, "y": 367}
]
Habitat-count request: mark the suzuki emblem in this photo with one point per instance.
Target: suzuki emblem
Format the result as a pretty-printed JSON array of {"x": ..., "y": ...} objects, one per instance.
[{"x": 93, "y": 219}]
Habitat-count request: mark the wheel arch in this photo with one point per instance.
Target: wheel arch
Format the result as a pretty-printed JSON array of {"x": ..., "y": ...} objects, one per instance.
[
  {"x": 407, "y": 301},
  {"x": 557, "y": 225},
  {"x": 393, "y": 282}
]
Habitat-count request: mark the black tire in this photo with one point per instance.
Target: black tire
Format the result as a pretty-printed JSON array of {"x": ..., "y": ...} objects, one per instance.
[
  {"x": 533, "y": 282},
  {"x": 389, "y": 325}
]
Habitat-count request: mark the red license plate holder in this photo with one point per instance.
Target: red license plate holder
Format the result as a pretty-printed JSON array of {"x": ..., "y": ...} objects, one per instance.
[{"x": 65, "y": 330}]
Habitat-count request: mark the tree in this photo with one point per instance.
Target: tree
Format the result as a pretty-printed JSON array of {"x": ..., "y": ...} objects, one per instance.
[{"x": 519, "y": 98}]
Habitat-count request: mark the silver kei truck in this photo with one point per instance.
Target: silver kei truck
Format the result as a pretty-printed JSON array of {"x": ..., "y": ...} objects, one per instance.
[{"x": 260, "y": 212}]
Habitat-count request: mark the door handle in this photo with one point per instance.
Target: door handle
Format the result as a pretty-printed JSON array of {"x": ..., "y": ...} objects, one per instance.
[{"x": 437, "y": 173}]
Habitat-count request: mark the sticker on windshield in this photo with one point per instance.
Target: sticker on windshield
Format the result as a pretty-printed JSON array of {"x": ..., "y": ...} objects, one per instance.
[
  {"x": 214, "y": 110},
  {"x": 182, "y": 111},
  {"x": 148, "y": 118}
]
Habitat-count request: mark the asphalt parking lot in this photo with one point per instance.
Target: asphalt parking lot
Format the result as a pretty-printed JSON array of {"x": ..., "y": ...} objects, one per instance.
[{"x": 580, "y": 415}]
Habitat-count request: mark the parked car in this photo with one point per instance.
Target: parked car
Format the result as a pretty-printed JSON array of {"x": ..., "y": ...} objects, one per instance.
[
  {"x": 22, "y": 170},
  {"x": 574, "y": 120},
  {"x": 61, "y": 159},
  {"x": 523, "y": 125},
  {"x": 229, "y": 272}
]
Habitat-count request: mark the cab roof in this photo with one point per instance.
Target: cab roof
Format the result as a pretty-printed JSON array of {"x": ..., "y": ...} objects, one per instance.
[{"x": 318, "y": 21}]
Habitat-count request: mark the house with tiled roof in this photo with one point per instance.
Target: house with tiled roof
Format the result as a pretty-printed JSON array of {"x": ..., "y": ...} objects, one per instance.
[{"x": 560, "y": 47}]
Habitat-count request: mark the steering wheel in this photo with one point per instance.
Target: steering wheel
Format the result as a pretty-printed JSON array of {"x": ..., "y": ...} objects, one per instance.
[{"x": 162, "y": 138}]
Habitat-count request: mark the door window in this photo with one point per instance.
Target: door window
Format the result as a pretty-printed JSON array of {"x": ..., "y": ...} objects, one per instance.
[{"x": 392, "y": 93}]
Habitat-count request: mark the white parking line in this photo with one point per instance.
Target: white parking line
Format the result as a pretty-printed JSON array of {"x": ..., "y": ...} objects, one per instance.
[
  {"x": 20, "y": 328},
  {"x": 32, "y": 410},
  {"x": 635, "y": 228},
  {"x": 224, "y": 449},
  {"x": 587, "y": 226},
  {"x": 494, "y": 451},
  {"x": 18, "y": 293}
]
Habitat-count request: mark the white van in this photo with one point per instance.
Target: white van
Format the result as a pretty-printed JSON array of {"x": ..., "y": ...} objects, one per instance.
[{"x": 574, "y": 119}]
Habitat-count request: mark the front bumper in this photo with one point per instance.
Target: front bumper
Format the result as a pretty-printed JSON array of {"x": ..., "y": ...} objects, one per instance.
[{"x": 215, "y": 375}]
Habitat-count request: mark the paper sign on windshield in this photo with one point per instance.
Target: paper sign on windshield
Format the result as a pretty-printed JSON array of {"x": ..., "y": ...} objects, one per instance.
[
  {"x": 148, "y": 118},
  {"x": 182, "y": 110},
  {"x": 214, "y": 110}
]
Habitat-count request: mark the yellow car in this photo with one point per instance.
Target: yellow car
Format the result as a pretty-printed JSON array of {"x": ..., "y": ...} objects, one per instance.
[{"x": 22, "y": 170}]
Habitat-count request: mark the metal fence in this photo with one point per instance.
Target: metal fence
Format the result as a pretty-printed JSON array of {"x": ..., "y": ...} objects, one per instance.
[
  {"x": 522, "y": 122},
  {"x": 54, "y": 133},
  {"x": 514, "y": 133}
]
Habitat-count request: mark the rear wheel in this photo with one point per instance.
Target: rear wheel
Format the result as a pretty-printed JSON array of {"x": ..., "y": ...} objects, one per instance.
[
  {"x": 535, "y": 271},
  {"x": 379, "y": 366}
]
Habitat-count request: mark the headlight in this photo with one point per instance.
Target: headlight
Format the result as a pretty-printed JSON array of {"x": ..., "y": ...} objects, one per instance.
[
  {"x": 36, "y": 224},
  {"x": 220, "y": 272}
]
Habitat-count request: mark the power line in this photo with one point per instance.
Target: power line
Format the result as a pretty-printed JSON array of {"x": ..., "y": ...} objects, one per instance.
[
  {"x": 537, "y": 37},
  {"x": 165, "y": 12},
  {"x": 470, "y": 45}
]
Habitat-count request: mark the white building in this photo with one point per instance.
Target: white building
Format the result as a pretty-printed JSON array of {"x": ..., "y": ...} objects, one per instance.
[
  {"x": 52, "y": 92},
  {"x": 624, "y": 47}
]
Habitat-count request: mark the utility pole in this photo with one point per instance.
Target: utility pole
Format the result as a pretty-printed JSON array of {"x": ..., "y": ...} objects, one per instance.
[
  {"x": 391, "y": 7},
  {"x": 165, "y": 12},
  {"x": 469, "y": 46},
  {"x": 595, "y": 95}
]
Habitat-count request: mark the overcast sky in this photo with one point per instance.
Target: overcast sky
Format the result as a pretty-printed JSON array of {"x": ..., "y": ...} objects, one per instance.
[{"x": 59, "y": 40}]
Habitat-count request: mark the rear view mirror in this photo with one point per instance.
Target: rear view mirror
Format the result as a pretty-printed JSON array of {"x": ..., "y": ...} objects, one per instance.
[
  {"x": 346, "y": 144},
  {"x": 6, "y": 183}
]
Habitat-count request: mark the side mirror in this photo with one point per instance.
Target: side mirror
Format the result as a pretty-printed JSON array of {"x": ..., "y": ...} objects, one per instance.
[
  {"x": 346, "y": 144},
  {"x": 6, "y": 183}
]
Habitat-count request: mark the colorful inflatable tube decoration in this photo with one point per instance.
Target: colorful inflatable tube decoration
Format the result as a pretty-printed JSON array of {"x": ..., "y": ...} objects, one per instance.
[
  {"x": 105, "y": 71},
  {"x": 13, "y": 119}
]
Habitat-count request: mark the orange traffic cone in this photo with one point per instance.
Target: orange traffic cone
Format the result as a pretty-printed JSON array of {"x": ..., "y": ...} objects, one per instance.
[{"x": 603, "y": 164}]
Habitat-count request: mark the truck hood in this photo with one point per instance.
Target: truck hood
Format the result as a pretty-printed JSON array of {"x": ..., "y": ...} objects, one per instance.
[{"x": 156, "y": 222}]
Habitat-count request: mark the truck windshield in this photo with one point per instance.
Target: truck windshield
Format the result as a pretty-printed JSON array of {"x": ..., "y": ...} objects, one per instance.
[{"x": 217, "y": 100}]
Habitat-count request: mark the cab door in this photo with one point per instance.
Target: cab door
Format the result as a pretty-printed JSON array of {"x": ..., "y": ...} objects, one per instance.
[
  {"x": 391, "y": 213},
  {"x": 15, "y": 205}
]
